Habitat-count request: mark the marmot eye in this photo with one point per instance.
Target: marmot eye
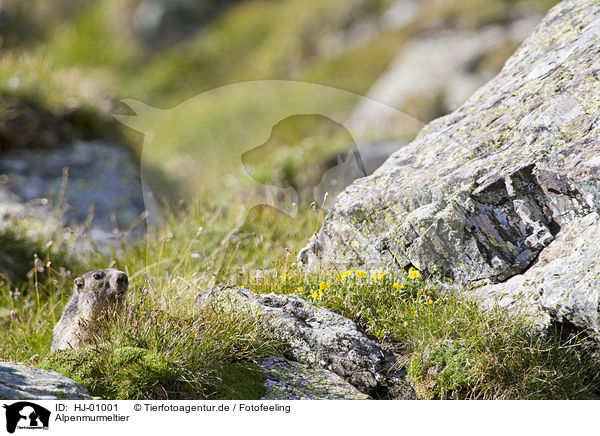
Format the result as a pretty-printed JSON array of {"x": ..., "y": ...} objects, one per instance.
[{"x": 98, "y": 276}]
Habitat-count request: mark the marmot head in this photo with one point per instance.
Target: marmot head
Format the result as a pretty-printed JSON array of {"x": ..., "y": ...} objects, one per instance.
[{"x": 100, "y": 288}]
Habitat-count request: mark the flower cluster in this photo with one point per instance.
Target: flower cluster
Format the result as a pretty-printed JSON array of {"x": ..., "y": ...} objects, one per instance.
[{"x": 376, "y": 277}]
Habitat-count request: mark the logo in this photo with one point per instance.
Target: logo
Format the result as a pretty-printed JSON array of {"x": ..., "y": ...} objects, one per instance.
[
  {"x": 26, "y": 415},
  {"x": 275, "y": 144}
]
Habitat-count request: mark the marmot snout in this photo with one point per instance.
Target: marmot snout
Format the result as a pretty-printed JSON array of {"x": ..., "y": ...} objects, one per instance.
[{"x": 92, "y": 292}]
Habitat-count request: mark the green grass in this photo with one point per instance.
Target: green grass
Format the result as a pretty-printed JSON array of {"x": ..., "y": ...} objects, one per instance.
[
  {"x": 40, "y": 79},
  {"x": 43, "y": 105},
  {"x": 158, "y": 348},
  {"x": 160, "y": 345},
  {"x": 254, "y": 40}
]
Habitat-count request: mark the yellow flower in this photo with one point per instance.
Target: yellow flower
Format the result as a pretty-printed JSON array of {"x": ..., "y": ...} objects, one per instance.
[
  {"x": 378, "y": 276},
  {"x": 300, "y": 289},
  {"x": 413, "y": 273},
  {"x": 345, "y": 274},
  {"x": 283, "y": 277},
  {"x": 361, "y": 274},
  {"x": 323, "y": 286},
  {"x": 316, "y": 294},
  {"x": 430, "y": 302},
  {"x": 398, "y": 286}
]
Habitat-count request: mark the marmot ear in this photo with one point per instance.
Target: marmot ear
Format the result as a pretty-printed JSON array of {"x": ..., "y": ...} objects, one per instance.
[{"x": 79, "y": 282}]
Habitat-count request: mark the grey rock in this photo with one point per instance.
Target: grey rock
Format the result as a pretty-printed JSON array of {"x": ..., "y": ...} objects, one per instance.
[
  {"x": 96, "y": 180},
  {"x": 323, "y": 339},
  {"x": 563, "y": 285},
  {"x": 23, "y": 382},
  {"x": 399, "y": 14},
  {"x": 287, "y": 380},
  {"x": 482, "y": 193}
]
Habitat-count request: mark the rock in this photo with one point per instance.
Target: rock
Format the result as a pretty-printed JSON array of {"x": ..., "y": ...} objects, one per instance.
[
  {"x": 22, "y": 382},
  {"x": 435, "y": 73},
  {"x": 85, "y": 180},
  {"x": 563, "y": 285},
  {"x": 481, "y": 194},
  {"x": 288, "y": 380},
  {"x": 400, "y": 14},
  {"x": 322, "y": 339}
]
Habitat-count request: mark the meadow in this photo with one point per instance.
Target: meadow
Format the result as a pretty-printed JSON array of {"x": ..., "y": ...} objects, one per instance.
[{"x": 75, "y": 67}]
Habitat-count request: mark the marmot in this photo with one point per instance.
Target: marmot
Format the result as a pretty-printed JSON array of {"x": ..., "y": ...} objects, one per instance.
[{"x": 92, "y": 292}]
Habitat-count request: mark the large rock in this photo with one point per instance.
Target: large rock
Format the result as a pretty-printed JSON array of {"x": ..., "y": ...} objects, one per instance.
[
  {"x": 322, "y": 339},
  {"x": 22, "y": 382},
  {"x": 483, "y": 193},
  {"x": 90, "y": 184},
  {"x": 563, "y": 285}
]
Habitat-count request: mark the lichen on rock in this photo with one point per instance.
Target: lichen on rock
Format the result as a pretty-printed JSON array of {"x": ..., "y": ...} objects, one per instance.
[{"x": 484, "y": 193}]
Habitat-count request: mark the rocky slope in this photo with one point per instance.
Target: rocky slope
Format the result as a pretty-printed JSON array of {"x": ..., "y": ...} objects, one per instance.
[{"x": 506, "y": 186}]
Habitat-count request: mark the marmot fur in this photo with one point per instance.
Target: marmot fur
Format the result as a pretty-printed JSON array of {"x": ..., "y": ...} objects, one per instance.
[{"x": 92, "y": 293}]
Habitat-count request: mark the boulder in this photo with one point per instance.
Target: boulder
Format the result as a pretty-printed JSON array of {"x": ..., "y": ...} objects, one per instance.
[
  {"x": 563, "y": 285},
  {"x": 23, "y": 382},
  {"x": 287, "y": 380},
  {"x": 96, "y": 183},
  {"x": 322, "y": 339},
  {"x": 498, "y": 189}
]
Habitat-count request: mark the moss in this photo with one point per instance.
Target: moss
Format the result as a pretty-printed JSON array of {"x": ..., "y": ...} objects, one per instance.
[
  {"x": 240, "y": 381},
  {"x": 80, "y": 366},
  {"x": 139, "y": 373}
]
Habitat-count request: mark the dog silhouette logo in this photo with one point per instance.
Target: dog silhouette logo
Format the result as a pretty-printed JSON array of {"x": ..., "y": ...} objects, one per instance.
[
  {"x": 246, "y": 135},
  {"x": 26, "y": 415}
]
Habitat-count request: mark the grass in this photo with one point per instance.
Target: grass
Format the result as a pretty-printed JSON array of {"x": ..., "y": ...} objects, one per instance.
[
  {"x": 40, "y": 79},
  {"x": 159, "y": 346},
  {"x": 44, "y": 106},
  {"x": 162, "y": 349},
  {"x": 253, "y": 40}
]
